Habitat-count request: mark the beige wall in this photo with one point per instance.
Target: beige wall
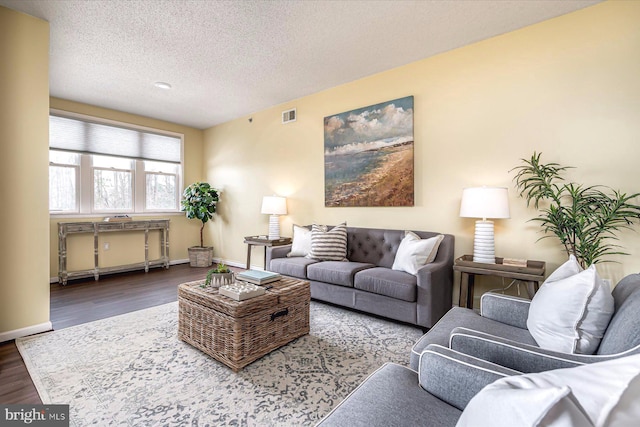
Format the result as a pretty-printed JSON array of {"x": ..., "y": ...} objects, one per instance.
[
  {"x": 567, "y": 87},
  {"x": 24, "y": 144},
  {"x": 128, "y": 248}
]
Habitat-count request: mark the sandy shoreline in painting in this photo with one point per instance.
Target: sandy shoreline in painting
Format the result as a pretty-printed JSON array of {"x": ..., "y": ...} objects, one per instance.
[{"x": 390, "y": 184}]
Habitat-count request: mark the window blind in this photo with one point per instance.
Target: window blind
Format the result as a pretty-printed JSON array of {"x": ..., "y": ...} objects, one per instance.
[{"x": 95, "y": 138}]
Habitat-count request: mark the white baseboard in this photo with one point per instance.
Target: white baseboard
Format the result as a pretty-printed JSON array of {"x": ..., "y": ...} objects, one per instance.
[
  {"x": 23, "y": 332},
  {"x": 237, "y": 264}
]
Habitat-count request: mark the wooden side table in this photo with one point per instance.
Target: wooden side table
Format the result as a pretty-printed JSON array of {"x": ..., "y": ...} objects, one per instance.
[
  {"x": 263, "y": 241},
  {"x": 532, "y": 274}
]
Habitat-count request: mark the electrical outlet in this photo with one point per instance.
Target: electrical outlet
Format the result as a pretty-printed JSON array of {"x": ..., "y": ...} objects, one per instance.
[{"x": 106, "y": 246}]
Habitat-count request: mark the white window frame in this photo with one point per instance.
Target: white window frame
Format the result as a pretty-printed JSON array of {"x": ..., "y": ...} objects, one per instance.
[
  {"x": 84, "y": 175},
  {"x": 144, "y": 197},
  {"x": 78, "y": 180}
]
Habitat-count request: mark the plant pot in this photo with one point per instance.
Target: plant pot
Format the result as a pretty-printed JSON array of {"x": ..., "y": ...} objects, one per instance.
[{"x": 200, "y": 256}]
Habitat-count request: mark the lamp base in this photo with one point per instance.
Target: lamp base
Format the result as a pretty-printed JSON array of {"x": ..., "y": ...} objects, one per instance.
[
  {"x": 483, "y": 243},
  {"x": 274, "y": 227}
]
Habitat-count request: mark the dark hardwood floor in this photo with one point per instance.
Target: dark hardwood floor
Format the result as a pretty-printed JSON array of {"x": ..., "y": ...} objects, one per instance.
[{"x": 83, "y": 301}]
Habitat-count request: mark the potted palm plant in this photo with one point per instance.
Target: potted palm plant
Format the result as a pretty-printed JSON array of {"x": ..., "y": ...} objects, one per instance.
[
  {"x": 199, "y": 202},
  {"x": 586, "y": 219}
]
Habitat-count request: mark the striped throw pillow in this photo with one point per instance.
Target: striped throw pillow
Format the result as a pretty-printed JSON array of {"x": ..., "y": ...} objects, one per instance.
[{"x": 329, "y": 245}]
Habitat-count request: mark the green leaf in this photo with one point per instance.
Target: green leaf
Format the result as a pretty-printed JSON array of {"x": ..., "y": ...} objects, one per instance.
[{"x": 584, "y": 218}]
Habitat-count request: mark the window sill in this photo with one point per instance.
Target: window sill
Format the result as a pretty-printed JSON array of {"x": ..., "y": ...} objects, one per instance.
[{"x": 103, "y": 215}]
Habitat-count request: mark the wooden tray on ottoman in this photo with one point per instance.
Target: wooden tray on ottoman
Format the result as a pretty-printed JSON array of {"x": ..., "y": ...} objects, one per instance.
[{"x": 239, "y": 332}]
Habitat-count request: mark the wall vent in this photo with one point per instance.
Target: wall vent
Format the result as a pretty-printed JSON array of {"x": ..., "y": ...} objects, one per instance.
[{"x": 289, "y": 116}]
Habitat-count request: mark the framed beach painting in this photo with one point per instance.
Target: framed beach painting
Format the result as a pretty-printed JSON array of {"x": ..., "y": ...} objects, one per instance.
[{"x": 368, "y": 156}]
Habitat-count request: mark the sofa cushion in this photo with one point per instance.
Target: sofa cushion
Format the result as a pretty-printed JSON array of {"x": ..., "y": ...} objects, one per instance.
[
  {"x": 391, "y": 396},
  {"x": 335, "y": 272},
  {"x": 415, "y": 252},
  {"x": 329, "y": 245},
  {"x": 391, "y": 283},
  {"x": 294, "y": 267}
]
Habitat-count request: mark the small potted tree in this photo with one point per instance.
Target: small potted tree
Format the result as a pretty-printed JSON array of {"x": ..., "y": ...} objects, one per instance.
[
  {"x": 199, "y": 202},
  {"x": 586, "y": 219}
]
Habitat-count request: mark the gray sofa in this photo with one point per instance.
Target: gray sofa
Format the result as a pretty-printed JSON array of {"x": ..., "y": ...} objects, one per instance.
[
  {"x": 499, "y": 333},
  {"x": 435, "y": 395},
  {"x": 366, "y": 281},
  {"x": 466, "y": 351}
]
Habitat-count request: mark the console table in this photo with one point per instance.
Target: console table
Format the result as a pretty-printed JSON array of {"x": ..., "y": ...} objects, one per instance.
[
  {"x": 95, "y": 228},
  {"x": 532, "y": 274}
]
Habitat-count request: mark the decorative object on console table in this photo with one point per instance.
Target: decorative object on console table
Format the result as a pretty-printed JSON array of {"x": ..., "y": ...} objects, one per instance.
[
  {"x": 274, "y": 206},
  {"x": 532, "y": 273},
  {"x": 118, "y": 218},
  {"x": 200, "y": 201},
  {"x": 484, "y": 202},
  {"x": 263, "y": 241}
]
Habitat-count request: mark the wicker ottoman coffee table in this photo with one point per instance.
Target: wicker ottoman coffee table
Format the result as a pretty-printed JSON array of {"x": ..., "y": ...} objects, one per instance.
[{"x": 239, "y": 332}]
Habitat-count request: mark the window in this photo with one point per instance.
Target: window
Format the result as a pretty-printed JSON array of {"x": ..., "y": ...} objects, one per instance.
[
  {"x": 161, "y": 181},
  {"x": 112, "y": 179},
  {"x": 100, "y": 167},
  {"x": 63, "y": 181}
]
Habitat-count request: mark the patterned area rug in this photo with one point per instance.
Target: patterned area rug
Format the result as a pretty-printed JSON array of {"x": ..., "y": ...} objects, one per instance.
[{"x": 132, "y": 370}]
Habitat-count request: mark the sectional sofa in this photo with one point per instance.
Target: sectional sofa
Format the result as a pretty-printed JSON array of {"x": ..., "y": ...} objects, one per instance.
[{"x": 366, "y": 282}]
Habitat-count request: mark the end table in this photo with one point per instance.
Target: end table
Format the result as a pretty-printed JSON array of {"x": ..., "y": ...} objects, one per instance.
[
  {"x": 263, "y": 241},
  {"x": 532, "y": 274}
]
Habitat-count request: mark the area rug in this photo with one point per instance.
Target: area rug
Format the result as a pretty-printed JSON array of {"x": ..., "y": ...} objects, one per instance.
[{"x": 131, "y": 370}]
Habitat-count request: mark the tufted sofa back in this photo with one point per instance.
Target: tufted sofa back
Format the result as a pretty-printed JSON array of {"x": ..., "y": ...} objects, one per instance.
[{"x": 379, "y": 246}]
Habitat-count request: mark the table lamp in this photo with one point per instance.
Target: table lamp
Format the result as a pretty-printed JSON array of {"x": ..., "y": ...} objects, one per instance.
[
  {"x": 274, "y": 206},
  {"x": 484, "y": 202}
]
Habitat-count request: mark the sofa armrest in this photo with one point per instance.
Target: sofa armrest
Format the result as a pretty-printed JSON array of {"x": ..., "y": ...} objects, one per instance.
[
  {"x": 507, "y": 309},
  {"x": 515, "y": 355},
  {"x": 274, "y": 252},
  {"x": 435, "y": 286},
  {"x": 455, "y": 377}
]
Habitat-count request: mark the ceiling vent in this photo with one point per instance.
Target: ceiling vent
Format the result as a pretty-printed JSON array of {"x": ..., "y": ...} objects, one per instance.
[{"x": 289, "y": 116}]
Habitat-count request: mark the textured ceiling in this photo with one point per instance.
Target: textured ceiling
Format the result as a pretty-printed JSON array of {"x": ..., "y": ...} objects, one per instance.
[{"x": 227, "y": 59}]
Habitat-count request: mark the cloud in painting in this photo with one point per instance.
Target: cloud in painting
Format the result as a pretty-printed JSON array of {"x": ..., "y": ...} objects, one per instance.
[{"x": 369, "y": 128}]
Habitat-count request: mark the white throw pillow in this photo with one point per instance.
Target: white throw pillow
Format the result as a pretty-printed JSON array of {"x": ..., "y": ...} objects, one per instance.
[
  {"x": 570, "y": 268},
  {"x": 601, "y": 394},
  {"x": 570, "y": 313},
  {"x": 415, "y": 252},
  {"x": 301, "y": 244}
]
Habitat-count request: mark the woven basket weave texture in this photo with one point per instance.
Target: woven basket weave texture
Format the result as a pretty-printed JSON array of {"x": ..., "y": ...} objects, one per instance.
[{"x": 239, "y": 332}]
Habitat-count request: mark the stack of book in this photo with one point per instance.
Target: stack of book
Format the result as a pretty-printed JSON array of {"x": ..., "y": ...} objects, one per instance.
[{"x": 258, "y": 277}]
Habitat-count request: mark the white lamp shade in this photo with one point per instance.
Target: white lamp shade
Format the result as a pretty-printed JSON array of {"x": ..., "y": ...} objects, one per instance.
[
  {"x": 485, "y": 202},
  {"x": 274, "y": 205}
]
